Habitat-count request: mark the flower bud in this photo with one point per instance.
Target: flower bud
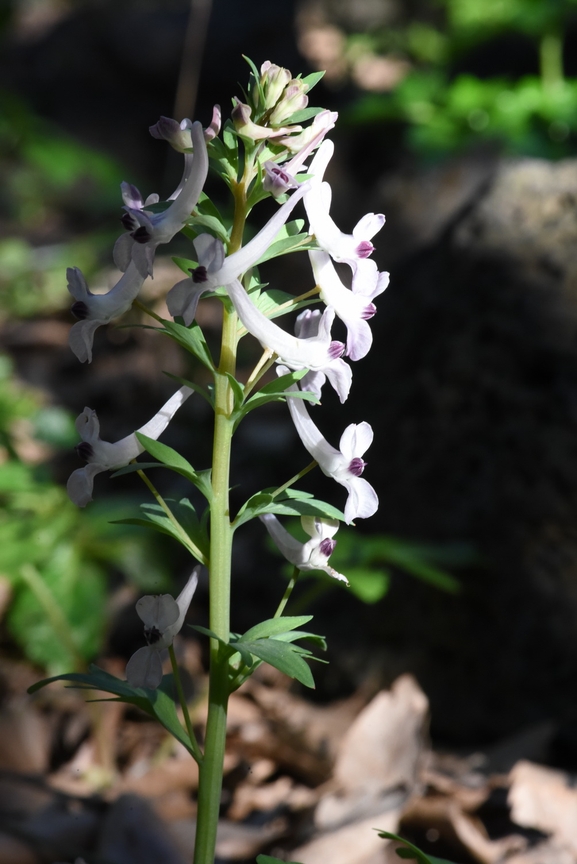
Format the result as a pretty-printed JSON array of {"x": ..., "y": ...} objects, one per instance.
[
  {"x": 294, "y": 99},
  {"x": 273, "y": 81},
  {"x": 177, "y": 134}
]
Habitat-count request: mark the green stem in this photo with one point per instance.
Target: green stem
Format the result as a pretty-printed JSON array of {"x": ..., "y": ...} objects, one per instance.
[
  {"x": 184, "y": 538},
  {"x": 294, "y": 479},
  {"x": 195, "y": 749},
  {"x": 287, "y": 593},
  {"x": 221, "y": 532},
  {"x": 263, "y": 365}
]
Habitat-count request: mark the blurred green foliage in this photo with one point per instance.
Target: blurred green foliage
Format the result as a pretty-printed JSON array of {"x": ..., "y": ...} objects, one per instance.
[
  {"x": 54, "y": 195},
  {"x": 55, "y": 559},
  {"x": 445, "y": 109}
]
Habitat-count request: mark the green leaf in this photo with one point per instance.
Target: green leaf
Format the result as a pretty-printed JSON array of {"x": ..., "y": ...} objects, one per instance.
[
  {"x": 210, "y": 633},
  {"x": 191, "y": 338},
  {"x": 185, "y": 514},
  {"x": 213, "y": 224},
  {"x": 237, "y": 392},
  {"x": 409, "y": 850},
  {"x": 285, "y": 505},
  {"x": 206, "y": 394},
  {"x": 299, "y": 243},
  {"x": 274, "y": 626},
  {"x": 313, "y": 79},
  {"x": 301, "y": 116},
  {"x": 185, "y": 264},
  {"x": 172, "y": 459},
  {"x": 156, "y": 703},
  {"x": 268, "y": 859},
  {"x": 283, "y": 656}
]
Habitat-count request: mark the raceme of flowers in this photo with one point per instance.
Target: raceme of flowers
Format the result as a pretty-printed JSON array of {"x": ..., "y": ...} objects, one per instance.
[{"x": 292, "y": 169}]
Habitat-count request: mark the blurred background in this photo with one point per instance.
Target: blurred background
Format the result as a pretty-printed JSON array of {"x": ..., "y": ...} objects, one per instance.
[{"x": 458, "y": 120}]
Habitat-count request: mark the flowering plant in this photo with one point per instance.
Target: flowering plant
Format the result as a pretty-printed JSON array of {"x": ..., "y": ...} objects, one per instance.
[{"x": 261, "y": 152}]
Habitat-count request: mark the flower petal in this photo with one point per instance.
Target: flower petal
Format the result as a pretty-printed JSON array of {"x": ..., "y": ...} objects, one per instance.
[
  {"x": 158, "y": 611},
  {"x": 144, "y": 669}
]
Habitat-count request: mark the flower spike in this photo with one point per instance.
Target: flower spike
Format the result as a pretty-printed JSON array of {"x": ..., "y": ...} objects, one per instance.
[
  {"x": 103, "y": 456},
  {"x": 163, "y": 617},
  {"x": 315, "y": 553},
  {"x": 344, "y": 465}
]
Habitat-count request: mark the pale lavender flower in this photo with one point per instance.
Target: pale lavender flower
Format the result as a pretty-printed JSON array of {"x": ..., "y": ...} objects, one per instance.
[
  {"x": 319, "y": 353},
  {"x": 163, "y": 617},
  {"x": 279, "y": 180},
  {"x": 215, "y": 270},
  {"x": 247, "y": 128},
  {"x": 179, "y": 135},
  {"x": 354, "y": 307},
  {"x": 273, "y": 80},
  {"x": 148, "y": 230},
  {"x": 315, "y": 553},
  {"x": 104, "y": 456},
  {"x": 351, "y": 249},
  {"x": 94, "y": 310},
  {"x": 344, "y": 465}
]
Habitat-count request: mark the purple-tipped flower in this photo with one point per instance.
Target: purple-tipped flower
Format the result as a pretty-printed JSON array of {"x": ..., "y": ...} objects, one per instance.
[
  {"x": 103, "y": 456},
  {"x": 315, "y": 553},
  {"x": 94, "y": 310},
  {"x": 163, "y": 617},
  {"x": 215, "y": 270},
  {"x": 147, "y": 230},
  {"x": 319, "y": 353},
  {"x": 344, "y": 465},
  {"x": 351, "y": 249},
  {"x": 354, "y": 307}
]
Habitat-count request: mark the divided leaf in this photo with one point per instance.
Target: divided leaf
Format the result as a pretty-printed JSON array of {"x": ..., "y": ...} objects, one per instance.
[{"x": 157, "y": 703}]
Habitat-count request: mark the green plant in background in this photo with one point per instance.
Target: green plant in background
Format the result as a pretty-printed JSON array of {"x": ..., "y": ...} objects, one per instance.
[
  {"x": 47, "y": 178},
  {"x": 535, "y": 114},
  {"x": 55, "y": 560}
]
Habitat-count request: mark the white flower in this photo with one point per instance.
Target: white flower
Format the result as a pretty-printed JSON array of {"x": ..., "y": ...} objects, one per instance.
[
  {"x": 319, "y": 353},
  {"x": 354, "y": 307},
  {"x": 94, "y": 310},
  {"x": 215, "y": 270},
  {"x": 148, "y": 230},
  {"x": 353, "y": 248},
  {"x": 105, "y": 456},
  {"x": 344, "y": 465},
  {"x": 315, "y": 553},
  {"x": 163, "y": 617}
]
